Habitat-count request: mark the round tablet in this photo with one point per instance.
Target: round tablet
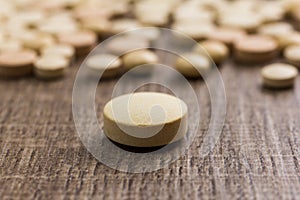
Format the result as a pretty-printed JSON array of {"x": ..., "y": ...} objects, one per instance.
[
  {"x": 16, "y": 63},
  {"x": 145, "y": 119},
  {"x": 50, "y": 66},
  {"x": 126, "y": 43},
  {"x": 120, "y": 25},
  {"x": 218, "y": 51},
  {"x": 59, "y": 49},
  {"x": 193, "y": 65},
  {"x": 227, "y": 35},
  {"x": 150, "y": 34},
  {"x": 99, "y": 25},
  {"x": 108, "y": 64},
  {"x": 10, "y": 45},
  {"x": 292, "y": 54},
  {"x": 246, "y": 21},
  {"x": 194, "y": 30},
  {"x": 82, "y": 41},
  {"x": 278, "y": 30},
  {"x": 255, "y": 49},
  {"x": 275, "y": 29},
  {"x": 288, "y": 39},
  {"x": 139, "y": 57},
  {"x": 279, "y": 75}
]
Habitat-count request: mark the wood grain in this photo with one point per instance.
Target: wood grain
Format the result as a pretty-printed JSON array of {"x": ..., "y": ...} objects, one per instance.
[{"x": 257, "y": 156}]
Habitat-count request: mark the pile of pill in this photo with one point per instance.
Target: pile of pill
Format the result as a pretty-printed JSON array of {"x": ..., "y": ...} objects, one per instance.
[{"x": 44, "y": 37}]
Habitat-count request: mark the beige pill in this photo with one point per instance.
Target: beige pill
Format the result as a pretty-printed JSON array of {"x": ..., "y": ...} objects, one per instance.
[
  {"x": 271, "y": 11},
  {"x": 10, "y": 45},
  {"x": 246, "y": 21},
  {"x": 193, "y": 65},
  {"x": 292, "y": 54},
  {"x": 218, "y": 51},
  {"x": 145, "y": 119},
  {"x": 278, "y": 30},
  {"x": 36, "y": 40},
  {"x": 120, "y": 25},
  {"x": 150, "y": 34},
  {"x": 288, "y": 39},
  {"x": 275, "y": 29},
  {"x": 255, "y": 49},
  {"x": 50, "y": 66},
  {"x": 126, "y": 43},
  {"x": 107, "y": 64},
  {"x": 279, "y": 75},
  {"x": 194, "y": 30},
  {"x": 99, "y": 25},
  {"x": 82, "y": 41},
  {"x": 16, "y": 63},
  {"x": 59, "y": 49},
  {"x": 227, "y": 35},
  {"x": 137, "y": 58}
]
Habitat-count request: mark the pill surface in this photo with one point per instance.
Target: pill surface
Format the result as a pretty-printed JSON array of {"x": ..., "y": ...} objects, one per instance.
[
  {"x": 218, "y": 51},
  {"x": 16, "y": 63},
  {"x": 139, "y": 57},
  {"x": 82, "y": 41},
  {"x": 292, "y": 55},
  {"x": 107, "y": 64},
  {"x": 145, "y": 119},
  {"x": 227, "y": 35},
  {"x": 126, "y": 43},
  {"x": 279, "y": 75},
  {"x": 255, "y": 49},
  {"x": 193, "y": 65},
  {"x": 59, "y": 49},
  {"x": 51, "y": 66}
]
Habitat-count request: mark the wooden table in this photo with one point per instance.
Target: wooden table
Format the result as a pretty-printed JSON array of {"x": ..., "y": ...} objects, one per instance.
[{"x": 256, "y": 157}]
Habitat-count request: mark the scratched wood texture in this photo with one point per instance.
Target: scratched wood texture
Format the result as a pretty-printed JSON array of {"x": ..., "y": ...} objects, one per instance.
[{"x": 256, "y": 157}]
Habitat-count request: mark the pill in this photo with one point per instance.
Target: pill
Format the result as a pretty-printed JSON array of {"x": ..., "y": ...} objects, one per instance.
[
  {"x": 151, "y": 34},
  {"x": 246, "y": 21},
  {"x": 107, "y": 64},
  {"x": 194, "y": 13},
  {"x": 288, "y": 39},
  {"x": 16, "y": 63},
  {"x": 145, "y": 119},
  {"x": 292, "y": 55},
  {"x": 65, "y": 50},
  {"x": 278, "y": 30},
  {"x": 36, "y": 40},
  {"x": 193, "y": 65},
  {"x": 279, "y": 75},
  {"x": 137, "y": 58},
  {"x": 122, "y": 44},
  {"x": 271, "y": 11},
  {"x": 88, "y": 11},
  {"x": 152, "y": 13},
  {"x": 121, "y": 25},
  {"x": 227, "y": 35},
  {"x": 50, "y": 66},
  {"x": 255, "y": 49},
  {"x": 10, "y": 45},
  {"x": 193, "y": 30},
  {"x": 218, "y": 51},
  {"x": 99, "y": 25},
  {"x": 82, "y": 41}
]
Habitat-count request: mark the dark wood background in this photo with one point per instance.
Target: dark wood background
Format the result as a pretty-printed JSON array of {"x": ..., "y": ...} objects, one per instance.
[{"x": 256, "y": 157}]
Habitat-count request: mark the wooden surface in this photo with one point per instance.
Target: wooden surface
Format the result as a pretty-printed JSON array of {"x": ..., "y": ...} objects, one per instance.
[{"x": 257, "y": 156}]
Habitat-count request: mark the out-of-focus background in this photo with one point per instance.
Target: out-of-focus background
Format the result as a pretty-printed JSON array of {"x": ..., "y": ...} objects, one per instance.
[{"x": 41, "y": 156}]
